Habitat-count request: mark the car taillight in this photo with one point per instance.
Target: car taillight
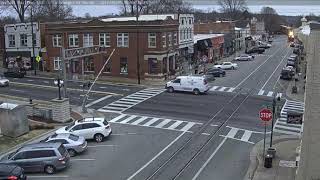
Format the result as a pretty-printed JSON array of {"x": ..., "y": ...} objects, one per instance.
[
  {"x": 62, "y": 160},
  {"x": 12, "y": 178}
]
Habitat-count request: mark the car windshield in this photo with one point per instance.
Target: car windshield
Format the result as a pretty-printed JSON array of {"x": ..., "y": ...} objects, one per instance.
[
  {"x": 69, "y": 126},
  {"x": 73, "y": 137}
]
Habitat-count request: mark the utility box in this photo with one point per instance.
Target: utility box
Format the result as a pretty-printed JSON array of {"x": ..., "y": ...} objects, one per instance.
[{"x": 13, "y": 120}]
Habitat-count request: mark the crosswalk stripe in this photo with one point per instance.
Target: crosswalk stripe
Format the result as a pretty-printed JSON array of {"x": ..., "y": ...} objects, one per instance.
[
  {"x": 214, "y": 88},
  {"x": 140, "y": 96},
  {"x": 232, "y": 133},
  {"x": 126, "y": 103},
  {"x": 137, "y": 98},
  {"x": 144, "y": 93},
  {"x": 163, "y": 123},
  {"x": 128, "y": 100},
  {"x": 188, "y": 126},
  {"x": 246, "y": 135},
  {"x": 113, "y": 108},
  {"x": 128, "y": 119},
  {"x": 139, "y": 120},
  {"x": 153, "y": 120},
  {"x": 222, "y": 89},
  {"x": 261, "y": 92},
  {"x": 270, "y": 94},
  {"x": 117, "y": 118},
  {"x": 231, "y": 89},
  {"x": 98, "y": 100},
  {"x": 286, "y": 132},
  {"x": 116, "y": 105},
  {"x": 174, "y": 125},
  {"x": 289, "y": 128}
]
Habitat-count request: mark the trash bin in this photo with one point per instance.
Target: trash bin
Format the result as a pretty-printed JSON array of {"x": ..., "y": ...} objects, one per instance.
[
  {"x": 272, "y": 152},
  {"x": 268, "y": 161}
]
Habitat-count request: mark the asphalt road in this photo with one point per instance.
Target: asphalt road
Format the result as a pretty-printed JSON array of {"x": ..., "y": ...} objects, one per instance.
[{"x": 149, "y": 133}]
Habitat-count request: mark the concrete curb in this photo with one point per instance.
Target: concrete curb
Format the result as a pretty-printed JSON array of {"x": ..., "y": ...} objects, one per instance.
[{"x": 255, "y": 158}]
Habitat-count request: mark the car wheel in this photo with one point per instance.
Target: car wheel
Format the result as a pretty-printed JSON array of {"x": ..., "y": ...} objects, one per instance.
[
  {"x": 49, "y": 169},
  {"x": 72, "y": 152},
  {"x": 98, "y": 138},
  {"x": 170, "y": 89},
  {"x": 196, "y": 92}
]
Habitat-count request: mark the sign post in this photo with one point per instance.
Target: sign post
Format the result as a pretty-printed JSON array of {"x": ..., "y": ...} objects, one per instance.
[{"x": 265, "y": 115}]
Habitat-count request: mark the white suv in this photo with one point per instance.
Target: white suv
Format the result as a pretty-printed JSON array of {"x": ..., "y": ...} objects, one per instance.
[{"x": 89, "y": 128}]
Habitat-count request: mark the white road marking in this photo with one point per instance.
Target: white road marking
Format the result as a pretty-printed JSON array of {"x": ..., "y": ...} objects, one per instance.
[
  {"x": 261, "y": 92},
  {"x": 156, "y": 156},
  {"x": 30, "y": 80},
  {"x": 246, "y": 135},
  {"x": 128, "y": 119},
  {"x": 209, "y": 159},
  {"x": 188, "y": 126},
  {"x": 151, "y": 122},
  {"x": 231, "y": 89},
  {"x": 214, "y": 88},
  {"x": 139, "y": 120},
  {"x": 82, "y": 159},
  {"x": 174, "y": 125},
  {"x": 98, "y": 100},
  {"x": 232, "y": 133},
  {"x": 256, "y": 69},
  {"x": 264, "y": 85},
  {"x": 102, "y": 145},
  {"x": 117, "y": 118},
  {"x": 270, "y": 94},
  {"x": 163, "y": 123},
  {"x": 222, "y": 89},
  {"x": 49, "y": 176},
  {"x": 17, "y": 90}
]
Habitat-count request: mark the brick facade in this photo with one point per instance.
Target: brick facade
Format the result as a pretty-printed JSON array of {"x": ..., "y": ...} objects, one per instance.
[
  {"x": 214, "y": 27},
  {"x": 152, "y": 60}
]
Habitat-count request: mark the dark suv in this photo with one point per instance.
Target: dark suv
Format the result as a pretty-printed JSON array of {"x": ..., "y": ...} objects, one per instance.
[
  {"x": 8, "y": 172},
  {"x": 15, "y": 73},
  {"x": 255, "y": 50},
  {"x": 40, "y": 157},
  {"x": 216, "y": 72}
]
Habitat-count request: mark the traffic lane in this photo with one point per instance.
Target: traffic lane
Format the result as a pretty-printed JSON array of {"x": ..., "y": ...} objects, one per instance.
[
  {"x": 247, "y": 116},
  {"x": 258, "y": 77},
  {"x": 45, "y": 94},
  {"x": 274, "y": 78},
  {"x": 234, "y": 77},
  {"x": 112, "y": 88},
  {"x": 228, "y": 162},
  {"x": 125, "y": 152},
  {"x": 183, "y": 106}
]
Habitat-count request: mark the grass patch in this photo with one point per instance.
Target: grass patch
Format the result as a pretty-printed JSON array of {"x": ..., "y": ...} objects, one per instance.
[{"x": 8, "y": 142}]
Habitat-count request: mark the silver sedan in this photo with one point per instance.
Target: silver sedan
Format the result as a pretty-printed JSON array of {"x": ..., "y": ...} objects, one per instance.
[{"x": 73, "y": 143}]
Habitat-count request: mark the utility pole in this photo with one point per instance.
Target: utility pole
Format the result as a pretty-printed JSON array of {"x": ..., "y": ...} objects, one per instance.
[
  {"x": 138, "y": 56},
  {"x": 274, "y": 103},
  {"x": 32, "y": 37}
]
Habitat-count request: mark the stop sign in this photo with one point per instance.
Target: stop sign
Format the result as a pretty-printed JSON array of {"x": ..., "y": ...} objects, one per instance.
[{"x": 265, "y": 114}]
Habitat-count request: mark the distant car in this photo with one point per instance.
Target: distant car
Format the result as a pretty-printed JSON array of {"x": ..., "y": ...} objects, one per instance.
[
  {"x": 89, "y": 128},
  {"x": 291, "y": 63},
  {"x": 270, "y": 40},
  {"x": 265, "y": 46},
  {"x": 227, "y": 65},
  {"x": 244, "y": 57},
  {"x": 287, "y": 73},
  {"x": 73, "y": 143},
  {"x": 216, "y": 72},
  {"x": 292, "y": 44},
  {"x": 195, "y": 84},
  {"x": 4, "y": 81},
  {"x": 255, "y": 50},
  {"x": 296, "y": 51},
  {"x": 15, "y": 73},
  {"x": 11, "y": 172},
  {"x": 39, "y": 157}
]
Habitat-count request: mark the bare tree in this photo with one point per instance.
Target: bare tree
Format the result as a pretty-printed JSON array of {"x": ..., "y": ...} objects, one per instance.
[
  {"x": 51, "y": 10},
  {"x": 271, "y": 19},
  {"x": 233, "y": 8},
  {"x": 87, "y": 15},
  {"x": 20, "y": 7}
]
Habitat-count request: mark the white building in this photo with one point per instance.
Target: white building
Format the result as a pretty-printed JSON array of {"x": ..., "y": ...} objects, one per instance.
[
  {"x": 242, "y": 31},
  {"x": 18, "y": 42}
]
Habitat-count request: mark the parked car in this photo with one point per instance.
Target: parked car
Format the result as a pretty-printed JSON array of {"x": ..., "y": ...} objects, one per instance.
[
  {"x": 292, "y": 44},
  {"x": 255, "y": 50},
  {"x": 296, "y": 51},
  {"x": 291, "y": 63},
  {"x": 227, "y": 65},
  {"x": 216, "y": 72},
  {"x": 4, "y": 81},
  {"x": 89, "y": 128},
  {"x": 244, "y": 57},
  {"x": 39, "y": 157},
  {"x": 287, "y": 73},
  {"x": 15, "y": 73},
  {"x": 265, "y": 45},
  {"x": 11, "y": 172},
  {"x": 195, "y": 84},
  {"x": 73, "y": 143}
]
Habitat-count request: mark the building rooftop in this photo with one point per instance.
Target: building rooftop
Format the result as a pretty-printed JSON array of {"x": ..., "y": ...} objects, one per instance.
[
  {"x": 199, "y": 37},
  {"x": 152, "y": 17}
]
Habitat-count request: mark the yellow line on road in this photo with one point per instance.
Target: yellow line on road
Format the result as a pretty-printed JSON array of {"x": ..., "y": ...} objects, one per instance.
[{"x": 52, "y": 87}]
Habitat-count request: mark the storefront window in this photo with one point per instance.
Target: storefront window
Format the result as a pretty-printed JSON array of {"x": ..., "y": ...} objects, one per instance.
[
  {"x": 153, "y": 65},
  {"x": 107, "y": 68},
  {"x": 88, "y": 64}
]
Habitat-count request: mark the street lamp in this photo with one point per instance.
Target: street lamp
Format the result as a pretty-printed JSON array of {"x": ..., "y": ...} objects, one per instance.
[{"x": 59, "y": 82}]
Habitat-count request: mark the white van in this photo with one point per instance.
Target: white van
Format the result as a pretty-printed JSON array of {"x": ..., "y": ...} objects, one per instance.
[{"x": 195, "y": 84}]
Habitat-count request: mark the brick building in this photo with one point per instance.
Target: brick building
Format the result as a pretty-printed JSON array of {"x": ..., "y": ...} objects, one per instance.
[
  {"x": 157, "y": 46},
  {"x": 219, "y": 27},
  {"x": 2, "y": 46}
]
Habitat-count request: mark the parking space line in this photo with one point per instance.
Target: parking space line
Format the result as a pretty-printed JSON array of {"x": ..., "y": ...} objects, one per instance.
[
  {"x": 261, "y": 92},
  {"x": 102, "y": 145},
  {"x": 156, "y": 156},
  {"x": 82, "y": 159},
  {"x": 51, "y": 176}
]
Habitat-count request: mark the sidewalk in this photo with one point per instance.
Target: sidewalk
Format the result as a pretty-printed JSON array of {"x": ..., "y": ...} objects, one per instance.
[{"x": 283, "y": 165}]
